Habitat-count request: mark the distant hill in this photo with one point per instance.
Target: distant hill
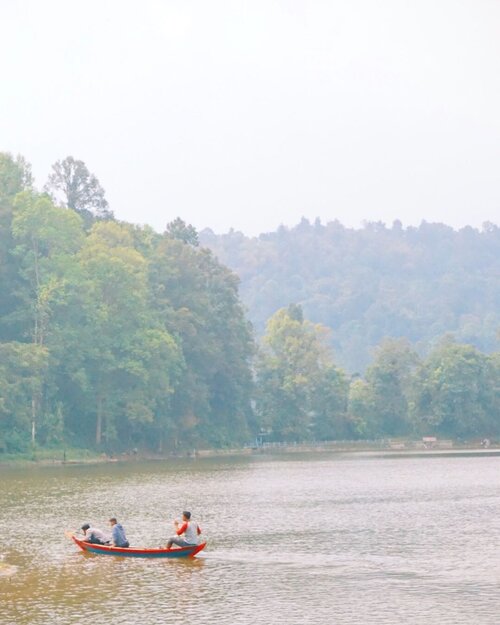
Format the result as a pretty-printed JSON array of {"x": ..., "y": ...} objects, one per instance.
[{"x": 375, "y": 282}]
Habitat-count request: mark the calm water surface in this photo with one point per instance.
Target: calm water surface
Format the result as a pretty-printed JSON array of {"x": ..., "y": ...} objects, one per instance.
[{"x": 292, "y": 540}]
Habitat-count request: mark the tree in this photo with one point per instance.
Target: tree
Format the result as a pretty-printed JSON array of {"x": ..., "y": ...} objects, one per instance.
[
  {"x": 390, "y": 380},
  {"x": 186, "y": 233},
  {"x": 125, "y": 363},
  {"x": 197, "y": 299},
  {"x": 46, "y": 239},
  {"x": 114, "y": 300},
  {"x": 457, "y": 392},
  {"x": 22, "y": 372},
  {"x": 329, "y": 396},
  {"x": 300, "y": 391},
  {"x": 15, "y": 176},
  {"x": 360, "y": 409},
  {"x": 79, "y": 189}
]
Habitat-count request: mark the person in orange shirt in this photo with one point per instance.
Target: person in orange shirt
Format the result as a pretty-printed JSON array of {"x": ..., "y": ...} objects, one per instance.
[{"x": 186, "y": 532}]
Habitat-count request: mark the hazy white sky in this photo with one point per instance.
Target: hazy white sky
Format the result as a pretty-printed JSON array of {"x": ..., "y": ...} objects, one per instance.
[{"x": 251, "y": 114}]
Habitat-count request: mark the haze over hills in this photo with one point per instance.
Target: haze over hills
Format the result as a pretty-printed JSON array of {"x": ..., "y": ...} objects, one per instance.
[{"x": 370, "y": 283}]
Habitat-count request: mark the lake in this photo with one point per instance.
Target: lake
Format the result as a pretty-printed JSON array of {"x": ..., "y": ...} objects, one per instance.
[{"x": 320, "y": 538}]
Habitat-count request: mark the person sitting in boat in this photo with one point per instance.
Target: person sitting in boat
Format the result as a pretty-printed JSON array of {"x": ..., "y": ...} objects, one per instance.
[
  {"x": 187, "y": 532},
  {"x": 118, "y": 538},
  {"x": 94, "y": 535}
]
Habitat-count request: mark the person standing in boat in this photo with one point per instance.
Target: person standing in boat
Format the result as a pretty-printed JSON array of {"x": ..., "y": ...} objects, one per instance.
[
  {"x": 118, "y": 538},
  {"x": 187, "y": 532},
  {"x": 94, "y": 535}
]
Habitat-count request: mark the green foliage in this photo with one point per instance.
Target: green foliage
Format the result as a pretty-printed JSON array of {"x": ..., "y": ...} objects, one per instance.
[
  {"x": 45, "y": 238},
  {"x": 457, "y": 391},
  {"x": 390, "y": 380},
  {"x": 372, "y": 283},
  {"x": 23, "y": 368},
  {"x": 302, "y": 395},
  {"x": 186, "y": 233},
  {"x": 15, "y": 176},
  {"x": 113, "y": 336},
  {"x": 361, "y": 410},
  {"x": 79, "y": 190},
  {"x": 198, "y": 300}
]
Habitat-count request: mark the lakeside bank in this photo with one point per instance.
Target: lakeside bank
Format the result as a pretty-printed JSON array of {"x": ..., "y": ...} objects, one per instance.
[{"x": 382, "y": 448}]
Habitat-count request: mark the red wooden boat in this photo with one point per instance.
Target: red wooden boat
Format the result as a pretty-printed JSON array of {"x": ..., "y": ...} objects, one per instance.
[{"x": 134, "y": 552}]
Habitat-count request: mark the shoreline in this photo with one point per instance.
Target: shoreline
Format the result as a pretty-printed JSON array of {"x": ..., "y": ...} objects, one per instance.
[{"x": 374, "y": 450}]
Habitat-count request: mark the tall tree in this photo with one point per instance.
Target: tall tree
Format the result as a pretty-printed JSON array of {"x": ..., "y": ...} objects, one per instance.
[
  {"x": 457, "y": 392},
  {"x": 123, "y": 345},
  {"x": 178, "y": 229},
  {"x": 390, "y": 380},
  {"x": 360, "y": 409},
  {"x": 46, "y": 239},
  {"x": 197, "y": 298},
  {"x": 80, "y": 190},
  {"x": 297, "y": 380},
  {"x": 22, "y": 373},
  {"x": 329, "y": 400},
  {"x": 15, "y": 176}
]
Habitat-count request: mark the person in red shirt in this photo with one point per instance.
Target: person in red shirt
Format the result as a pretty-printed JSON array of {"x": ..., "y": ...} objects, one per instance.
[{"x": 186, "y": 532}]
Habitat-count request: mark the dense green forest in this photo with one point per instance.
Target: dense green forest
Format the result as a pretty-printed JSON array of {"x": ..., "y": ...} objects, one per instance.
[
  {"x": 375, "y": 282},
  {"x": 113, "y": 336}
]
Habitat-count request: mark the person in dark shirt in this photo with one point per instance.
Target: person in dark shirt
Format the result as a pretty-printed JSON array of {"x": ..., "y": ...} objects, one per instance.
[{"x": 118, "y": 537}]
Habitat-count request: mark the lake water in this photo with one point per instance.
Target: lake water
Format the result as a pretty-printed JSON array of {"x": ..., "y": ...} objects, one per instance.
[{"x": 343, "y": 539}]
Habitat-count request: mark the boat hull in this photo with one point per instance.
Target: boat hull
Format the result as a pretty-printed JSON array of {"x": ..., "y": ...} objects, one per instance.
[{"x": 131, "y": 552}]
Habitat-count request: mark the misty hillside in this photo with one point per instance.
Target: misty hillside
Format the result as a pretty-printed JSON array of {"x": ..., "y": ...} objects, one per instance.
[{"x": 415, "y": 282}]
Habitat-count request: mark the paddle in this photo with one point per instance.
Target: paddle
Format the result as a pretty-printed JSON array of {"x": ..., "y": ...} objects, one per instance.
[{"x": 69, "y": 533}]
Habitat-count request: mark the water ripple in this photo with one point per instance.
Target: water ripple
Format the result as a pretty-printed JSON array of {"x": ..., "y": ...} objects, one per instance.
[{"x": 368, "y": 541}]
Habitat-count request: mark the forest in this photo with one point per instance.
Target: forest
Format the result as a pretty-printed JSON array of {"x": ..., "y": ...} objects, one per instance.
[
  {"x": 371, "y": 283},
  {"x": 115, "y": 337}
]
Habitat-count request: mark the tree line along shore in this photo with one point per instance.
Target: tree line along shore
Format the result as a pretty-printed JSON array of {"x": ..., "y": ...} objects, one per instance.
[{"x": 114, "y": 337}]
